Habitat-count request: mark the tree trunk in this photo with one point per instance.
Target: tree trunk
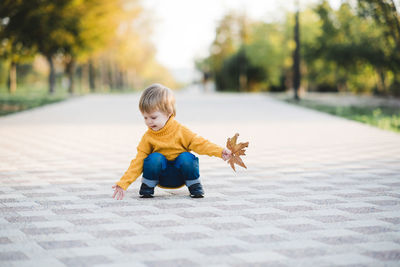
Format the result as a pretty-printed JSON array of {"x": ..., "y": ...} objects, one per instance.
[
  {"x": 92, "y": 76},
  {"x": 396, "y": 22},
  {"x": 117, "y": 77},
  {"x": 242, "y": 71},
  {"x": 110, "y": 78},
  {"x": 84, "y": 78},
  {"x": 52, "y": 74},
  {"x": 70, "y": 69},
  {"x": 12, "y": 78},
  {"x": 296, "y": 56},
  {"x": 120, "y": 79},
  {"x": 103, "y": 75},
  {"x": 380, "y": 84}
]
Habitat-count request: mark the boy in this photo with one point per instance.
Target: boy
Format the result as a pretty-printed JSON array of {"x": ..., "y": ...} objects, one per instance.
[{"x": 163, "y": 153}]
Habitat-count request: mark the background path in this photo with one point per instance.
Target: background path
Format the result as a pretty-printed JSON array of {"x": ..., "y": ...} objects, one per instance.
[{"x": 318, "y": 191}]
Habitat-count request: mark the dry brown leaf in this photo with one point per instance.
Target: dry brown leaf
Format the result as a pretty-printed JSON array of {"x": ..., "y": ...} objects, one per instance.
[{"x": 237, "y": 151}]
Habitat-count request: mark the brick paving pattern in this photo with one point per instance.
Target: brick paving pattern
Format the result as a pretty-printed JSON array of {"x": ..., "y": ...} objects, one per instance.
[{"x": 318, "y": 191}]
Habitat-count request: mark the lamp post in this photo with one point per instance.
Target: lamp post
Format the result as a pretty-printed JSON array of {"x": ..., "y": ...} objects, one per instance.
[{"x": 296, "y": 55}]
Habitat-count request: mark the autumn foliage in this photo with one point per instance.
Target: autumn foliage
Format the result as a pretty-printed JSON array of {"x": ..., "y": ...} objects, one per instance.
[{"x": 237, "y": 151}]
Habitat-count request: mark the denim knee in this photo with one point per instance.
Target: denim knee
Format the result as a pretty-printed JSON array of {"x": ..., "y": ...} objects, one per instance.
[
  {"x": 188, "y": 164},
  {"x": 153, "y": 165}
]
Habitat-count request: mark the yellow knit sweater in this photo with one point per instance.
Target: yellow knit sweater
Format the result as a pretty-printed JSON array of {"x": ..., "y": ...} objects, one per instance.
[{"x": 172, "y": 140}]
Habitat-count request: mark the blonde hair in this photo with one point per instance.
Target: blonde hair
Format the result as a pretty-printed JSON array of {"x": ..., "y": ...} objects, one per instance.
[{"x": 157, "y": 97}]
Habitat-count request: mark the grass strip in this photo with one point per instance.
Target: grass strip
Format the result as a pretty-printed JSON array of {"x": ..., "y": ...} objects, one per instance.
[
  {"x": 14, "y": 103},
  {"x": 387, "y": 118}
]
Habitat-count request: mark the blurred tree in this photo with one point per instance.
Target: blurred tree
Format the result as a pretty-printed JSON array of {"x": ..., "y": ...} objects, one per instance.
[
  {"x": 339, "y": 57},
  {"x": 13, "y": 53},
  {"x": 229, "y": 62},
  {"x": 40, "y": 24},
  {"x": 129, "y": 57},
  {"x": 108, "y": 38},
  {"x": 269, "y": 48},
  {"x": 11, "y": 48},
  {"x": 225, "y": 44},
  {"x": 95, "y": 23},
  {"x": 296, "y": 54},
  {"x": 232, "y": 69},
  {"x": 386, "y": 15}
]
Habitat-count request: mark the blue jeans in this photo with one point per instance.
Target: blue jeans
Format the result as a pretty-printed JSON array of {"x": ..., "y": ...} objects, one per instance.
[{"x": 157, "y": 170}]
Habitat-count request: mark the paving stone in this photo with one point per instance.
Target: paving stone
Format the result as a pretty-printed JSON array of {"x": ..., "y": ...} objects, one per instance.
[
  {"x": 270, "y": 238},
  {"x": 391, "y": 255},
  {"x": 318, "y": 190},
  {"x": 266, "y": 216},
  {"x": 227, "y": 226},
  {"x": 212, "y": 250},
  {"x": 43, "y": 231},
  {"x": 302, "y": 253},
  {"x": 12, "y": 256},
  {"x": 62, "y": 244},
  {"x": 186, "y": 236},
  {"x": 265, "y": 257},
  {"x": 5, "y": 240},
  {"x": 331, "y": 218},
  {"x": 90, "y": 221},
  {"x": 394, "y": 220},
  {"x": 26, "y": 219},
  {"x": 299, "y": 227},
  {"x": 85, "y": 260},
  {"x": 171, "y": 263},
  {"x": 164, "y": 223},
  {"x": 188, "y": 214},
  {"x": 133, "y": 248},
  {"x": 340, "y": 240},
  {"x": 372, "y": 229}
]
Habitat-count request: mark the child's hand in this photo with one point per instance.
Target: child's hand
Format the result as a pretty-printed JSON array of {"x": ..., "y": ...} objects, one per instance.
[
  {"x": 119, "y": 192},
  {"x": 226, "y": 154}
]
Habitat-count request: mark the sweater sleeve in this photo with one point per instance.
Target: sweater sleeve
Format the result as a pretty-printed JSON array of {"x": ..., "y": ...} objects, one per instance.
[
  {"x": 136, "y": 166},
  {"x": 202, "y": 146}
]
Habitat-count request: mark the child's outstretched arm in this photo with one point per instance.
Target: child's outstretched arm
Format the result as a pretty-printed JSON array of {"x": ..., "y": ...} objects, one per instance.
[
  {"x": 202, "y": 146},
  {"x": 134, "y": 170},
  {"x": 118, "y": 192}
]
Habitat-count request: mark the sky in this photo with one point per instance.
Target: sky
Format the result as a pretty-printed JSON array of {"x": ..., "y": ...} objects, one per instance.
[{"x": 185, "y": 29}]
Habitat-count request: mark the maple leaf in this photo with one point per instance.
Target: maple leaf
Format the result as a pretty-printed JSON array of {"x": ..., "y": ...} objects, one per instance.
[{"x": 237, "y": 151}]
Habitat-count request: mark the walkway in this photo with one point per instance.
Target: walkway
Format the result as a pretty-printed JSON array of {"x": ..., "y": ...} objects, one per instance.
[{"x": 318, "y": 191}]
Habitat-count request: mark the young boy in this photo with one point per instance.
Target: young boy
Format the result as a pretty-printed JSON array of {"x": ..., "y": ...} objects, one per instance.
[{"x": 163, "y": 153}]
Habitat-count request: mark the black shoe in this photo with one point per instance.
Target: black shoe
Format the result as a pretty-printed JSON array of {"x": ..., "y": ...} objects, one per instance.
[
  {"x": 146, "y": 191},
  {"x": 196, "y": 191}
]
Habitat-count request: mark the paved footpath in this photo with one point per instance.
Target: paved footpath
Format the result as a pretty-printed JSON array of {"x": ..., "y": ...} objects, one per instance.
[{"x": 318, "y": 191}]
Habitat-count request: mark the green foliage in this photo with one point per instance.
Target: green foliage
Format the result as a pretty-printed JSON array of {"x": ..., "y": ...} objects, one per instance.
[
  {"x": 14, "y": 103},
  {"x": 104, "y": 42},
  {"x": 354, "y": 48},
  {"x": 342, "y": 48},
  {"x": 268, "y": 50},
  {"x": 387, "y": 118},
  {"x": 248, "y": 53},
  {"x": 61, "y": 26},
  {"x": 228, "y": 78},
  {"x": 226, "y": 43}
]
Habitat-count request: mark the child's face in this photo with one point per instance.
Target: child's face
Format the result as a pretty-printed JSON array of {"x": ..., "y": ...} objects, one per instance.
[{"x": 155, "y": 120}]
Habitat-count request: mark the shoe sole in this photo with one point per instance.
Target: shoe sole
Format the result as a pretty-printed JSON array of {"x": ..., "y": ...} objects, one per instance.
[
  {"x": 146, "y": 196},
  {"x": 196, "y": 196}
]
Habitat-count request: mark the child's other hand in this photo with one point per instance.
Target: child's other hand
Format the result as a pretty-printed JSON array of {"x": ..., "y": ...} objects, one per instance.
[
  {"x": 226, "y": 154},
  {"x": 118, "y": 192}
]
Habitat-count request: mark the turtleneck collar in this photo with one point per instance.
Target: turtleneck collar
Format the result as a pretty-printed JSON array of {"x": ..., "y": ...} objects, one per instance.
[{"x": 168, "y": 127}]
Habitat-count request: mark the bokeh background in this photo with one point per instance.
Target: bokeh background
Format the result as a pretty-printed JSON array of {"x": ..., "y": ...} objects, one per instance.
[{"x": 349, "y": 50}]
